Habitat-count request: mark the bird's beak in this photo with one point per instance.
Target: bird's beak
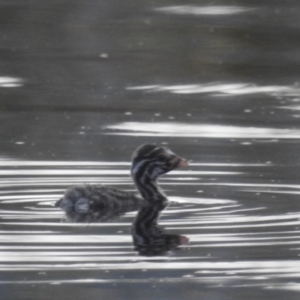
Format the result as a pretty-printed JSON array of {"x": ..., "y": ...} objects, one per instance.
[{"x": 182, "y": 163}]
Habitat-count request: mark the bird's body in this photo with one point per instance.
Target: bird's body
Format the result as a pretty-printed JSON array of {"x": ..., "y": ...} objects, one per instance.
[
  {"x": 100, "y": 203},
  {"x": 94, "y": 203}
]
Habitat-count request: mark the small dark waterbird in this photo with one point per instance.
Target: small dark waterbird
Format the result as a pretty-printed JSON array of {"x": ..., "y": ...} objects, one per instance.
[{"x": 86, "y": 203}]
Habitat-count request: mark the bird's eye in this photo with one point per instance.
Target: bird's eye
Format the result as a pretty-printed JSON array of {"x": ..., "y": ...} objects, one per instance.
[
  {"x": 173, "y": 160},
  {"x": 161, "y": 157}
]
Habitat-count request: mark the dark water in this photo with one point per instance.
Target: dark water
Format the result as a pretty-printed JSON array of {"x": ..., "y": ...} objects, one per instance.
[{"x": 84, "y": 83}]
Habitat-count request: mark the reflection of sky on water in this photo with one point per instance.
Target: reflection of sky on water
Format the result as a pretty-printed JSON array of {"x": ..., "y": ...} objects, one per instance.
[
  {"x": 219, "y": 89},
  {"x": 10, "y": 82},
  {"x": 199, "y": 130},
  {"x": 203, "y": 10},
  {"x": 260, "y": 274},
  {"x": 291, "y": 107}
]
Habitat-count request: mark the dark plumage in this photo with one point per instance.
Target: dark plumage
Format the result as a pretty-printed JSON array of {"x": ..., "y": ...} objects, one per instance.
[
  {"x": 99, "y": 203},
  {"x": 148, "y": 163},
  {"x": 92, "y": 203}
]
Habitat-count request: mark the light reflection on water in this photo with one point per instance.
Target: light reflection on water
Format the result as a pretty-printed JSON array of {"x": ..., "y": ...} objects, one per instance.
[
  {"x": 221, "y": 89},
  {"x": 10, "y": 82},
  {"x": 224, "y": 73},
  {"x": 203, "y": 10},
  {"x": 176, "y": 129},
  {"x": 215, "y": 224}
]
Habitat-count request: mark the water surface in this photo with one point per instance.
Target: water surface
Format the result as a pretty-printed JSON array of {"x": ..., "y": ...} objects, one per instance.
[{"x": 83, "y": 84}]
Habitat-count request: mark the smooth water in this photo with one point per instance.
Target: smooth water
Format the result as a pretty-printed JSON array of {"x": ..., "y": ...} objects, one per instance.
[{"x": 84, "y": 84}]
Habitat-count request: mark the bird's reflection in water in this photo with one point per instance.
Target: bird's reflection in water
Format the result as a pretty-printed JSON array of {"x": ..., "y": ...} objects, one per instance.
[
  {"x": 90, "y": 203},
  {"x": 148, "y": 238}
]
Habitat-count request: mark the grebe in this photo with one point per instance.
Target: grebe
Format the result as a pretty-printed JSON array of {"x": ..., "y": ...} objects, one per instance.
[{"x": 88, "y": 203}]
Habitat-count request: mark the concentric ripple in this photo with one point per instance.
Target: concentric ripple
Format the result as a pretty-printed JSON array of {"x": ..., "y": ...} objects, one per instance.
[{"x": 237, "y": 234}]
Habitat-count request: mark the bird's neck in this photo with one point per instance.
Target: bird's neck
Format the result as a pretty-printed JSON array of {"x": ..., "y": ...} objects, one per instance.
[{"x": 149, "y": 189}]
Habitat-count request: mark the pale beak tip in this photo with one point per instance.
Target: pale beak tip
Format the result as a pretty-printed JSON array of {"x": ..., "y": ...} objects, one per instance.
[
  {"x": 183, "y": 240},
  {"x": 183, "y": 163}
]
